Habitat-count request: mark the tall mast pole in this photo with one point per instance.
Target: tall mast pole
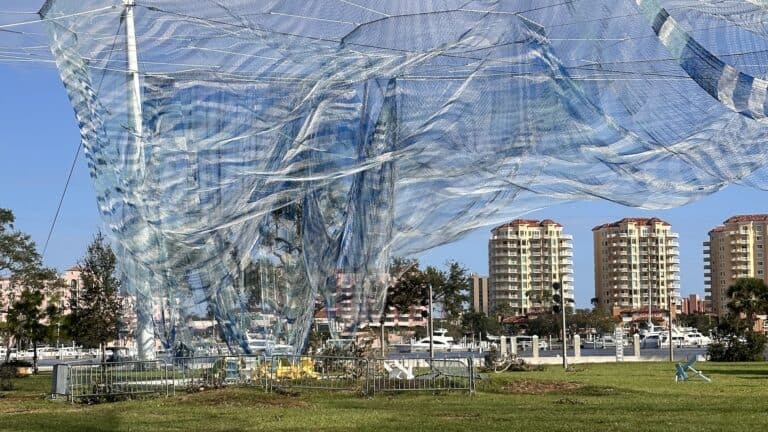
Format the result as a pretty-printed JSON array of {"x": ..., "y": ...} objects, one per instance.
[
  {"x": 145, "y": 332},
  {"x": 134, "y": 87}
]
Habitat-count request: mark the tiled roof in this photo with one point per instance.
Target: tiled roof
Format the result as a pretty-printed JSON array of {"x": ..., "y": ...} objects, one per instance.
[
  {"x": 637, "y": 221},
  {"x": 533, "y": 222},
  {"x": 747, "y": 218}
]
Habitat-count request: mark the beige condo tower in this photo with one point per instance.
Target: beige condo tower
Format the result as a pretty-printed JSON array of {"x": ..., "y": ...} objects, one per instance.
[
  {"x": 735, "y": 250},
  {"x": 636, "y": 264},
  {"x": 525, "y": 257}
]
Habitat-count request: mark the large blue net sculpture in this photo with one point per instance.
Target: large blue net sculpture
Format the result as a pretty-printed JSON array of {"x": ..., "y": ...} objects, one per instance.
[{"x": 251, "y": 157}]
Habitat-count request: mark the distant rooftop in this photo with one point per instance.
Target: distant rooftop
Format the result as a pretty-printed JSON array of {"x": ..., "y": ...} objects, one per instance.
[
  {"x": 527, "y": 222},
  {"x": 637, "y": 221},
  {"x": 747, "y": 218},
  {"x": 740, "y": 219}
]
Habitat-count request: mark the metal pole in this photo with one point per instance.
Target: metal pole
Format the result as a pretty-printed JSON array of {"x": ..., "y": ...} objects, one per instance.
[
  {"x": 431, "y": 328},
  {"x": 145, "y": 334},
  {"x": 671, "y": 349},
  {"x": 565, "y": 341},
  {"x": 133, "y": 72},
  {"x": 650, "y": 304},
  {"x": 382, "y": 338}
]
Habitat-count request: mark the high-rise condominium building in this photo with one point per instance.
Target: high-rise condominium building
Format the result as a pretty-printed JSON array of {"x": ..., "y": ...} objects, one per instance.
[
  {"x": 636, "y": 264},
  {"x": 735, "y": 249},
  {"x": 525, "y": 257}
]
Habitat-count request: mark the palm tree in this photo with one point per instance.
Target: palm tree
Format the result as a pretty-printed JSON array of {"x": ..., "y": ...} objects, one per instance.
[{"x": 749, "y": 297}]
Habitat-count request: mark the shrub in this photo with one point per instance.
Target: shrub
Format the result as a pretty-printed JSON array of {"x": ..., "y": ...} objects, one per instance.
[
  {"x": 17, "y": 363},
  {"x": 733, "y": 349}
]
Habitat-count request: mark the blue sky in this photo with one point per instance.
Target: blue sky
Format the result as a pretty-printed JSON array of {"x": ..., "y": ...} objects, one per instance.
[{"x": 39, "y": 138}]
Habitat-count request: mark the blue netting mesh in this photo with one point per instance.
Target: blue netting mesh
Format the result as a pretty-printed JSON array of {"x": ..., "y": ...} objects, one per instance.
[{"x": 294, "y": 146}]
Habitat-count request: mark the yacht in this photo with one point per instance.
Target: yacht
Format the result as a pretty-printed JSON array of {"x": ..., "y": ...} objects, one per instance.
[{"x": 440, "y": 342}]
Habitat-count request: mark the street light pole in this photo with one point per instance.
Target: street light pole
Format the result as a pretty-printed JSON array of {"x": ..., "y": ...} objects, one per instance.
[
  {"x": 565, "y": 341},
  {"x": 671, "y": 349},
  {"x": 431, "y": 329}
]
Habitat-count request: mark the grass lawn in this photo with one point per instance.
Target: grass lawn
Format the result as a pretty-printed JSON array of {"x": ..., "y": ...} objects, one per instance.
[{"x": 611, "y": 397}]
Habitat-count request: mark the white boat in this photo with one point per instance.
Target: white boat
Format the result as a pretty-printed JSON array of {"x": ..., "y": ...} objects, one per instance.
[
  {"x": 440, "y": 342},
  {"x": 267, "y": 345}
]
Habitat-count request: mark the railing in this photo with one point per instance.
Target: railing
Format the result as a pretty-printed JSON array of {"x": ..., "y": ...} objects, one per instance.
[
  {"x": 422, "y": 375},
  {"x": 317, "y": 372},
  {"x": 217, "y": 371},
  {"x": 112, "y": 380}
]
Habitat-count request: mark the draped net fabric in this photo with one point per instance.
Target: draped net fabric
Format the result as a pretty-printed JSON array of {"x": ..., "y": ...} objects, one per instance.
[{"x": 296, "y": 146}]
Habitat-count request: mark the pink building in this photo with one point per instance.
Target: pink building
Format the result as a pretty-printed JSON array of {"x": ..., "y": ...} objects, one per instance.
[
  {"x": 10, "y": 291},
  {"x": 694, "y": 305}
]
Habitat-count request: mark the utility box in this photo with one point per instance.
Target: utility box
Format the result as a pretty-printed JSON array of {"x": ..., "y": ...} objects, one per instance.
[{"x": 60, "y": 383}]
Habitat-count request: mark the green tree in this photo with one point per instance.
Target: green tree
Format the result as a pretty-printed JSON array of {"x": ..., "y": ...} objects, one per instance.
[
  {"x": 28, "y": 316},
  {"x": 20, "y": 261},
  {"x": 592, "y": 320},
  {"x": 748, "y": 298},
  {"x": 453, "y": 292},
  {"x": 410, "y": 288},
  {"x": 449, "y": 289},
  {"x": 95, "y": 317},
  {"x": 544, "y": 325},
  {"x": 17, "y": 250},
  {"x": 703, "y": 323},
  {"x": 479, "y": 323},
  {"x": 737, "y": 340}
]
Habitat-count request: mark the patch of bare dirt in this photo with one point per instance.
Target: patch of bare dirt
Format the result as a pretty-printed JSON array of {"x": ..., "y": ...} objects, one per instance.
[
  {"x": 227, "y": 397},
  {"x": 535, "y": 387}
]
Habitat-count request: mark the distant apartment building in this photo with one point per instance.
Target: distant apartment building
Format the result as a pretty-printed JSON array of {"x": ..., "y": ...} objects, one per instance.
[
  {"x": 525, "y": 257},
  {"x": 637, "y": 264},
  {"x": 480, "y": 301},
  {"x": 693, "y": 304},
  {"x": 10, "y": 291},
  {"x": 65, "y": 298},
  {"x": 352, "y": 312},
  {"x": 735, "y": 250}
]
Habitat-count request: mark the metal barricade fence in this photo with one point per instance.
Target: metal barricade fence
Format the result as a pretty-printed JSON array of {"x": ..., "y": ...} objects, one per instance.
[
  {"x": 318, "y": 372},
  {"x": 193, "y": 373},
  {"x": 357, "y": 374},
  {"x": 387, "y": 375},
  {"x": 109, "y": 380}
]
